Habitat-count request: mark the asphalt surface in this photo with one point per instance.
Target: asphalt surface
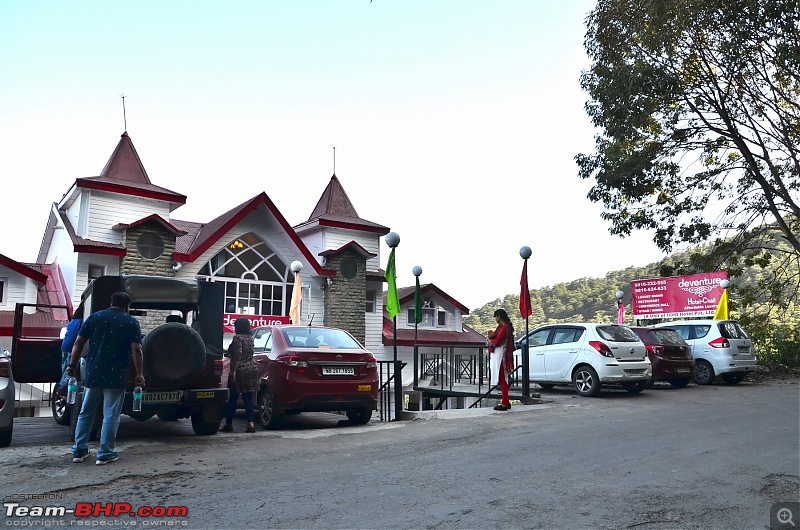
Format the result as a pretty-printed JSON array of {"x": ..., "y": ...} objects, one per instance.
[{"x": 699, "y": 457}]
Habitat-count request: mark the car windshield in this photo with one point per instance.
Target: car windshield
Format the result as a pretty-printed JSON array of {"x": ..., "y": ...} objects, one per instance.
[
  {"x": 732, "y": 330},
  {"x": 617, "y": 333},
  {"x": 334, "y": 339},
  {"x": 668, "y": 336}
]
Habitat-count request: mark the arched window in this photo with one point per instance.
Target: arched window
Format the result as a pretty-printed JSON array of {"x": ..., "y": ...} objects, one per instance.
[{"x": 255, "y": 278}]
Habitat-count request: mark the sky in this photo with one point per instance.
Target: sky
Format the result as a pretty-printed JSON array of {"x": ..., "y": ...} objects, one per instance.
[{"x": 455, "y": 123}]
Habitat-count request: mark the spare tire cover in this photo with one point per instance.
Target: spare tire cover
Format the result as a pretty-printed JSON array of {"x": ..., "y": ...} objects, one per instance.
[{"x": 174, "y": 354}]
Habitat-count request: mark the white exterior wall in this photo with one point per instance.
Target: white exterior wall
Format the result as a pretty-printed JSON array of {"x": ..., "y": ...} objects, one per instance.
[
  {"x": 109, "y": 209},
  {"x": 313, "y": 241},
  {"x": 61, "y": 250},
  {"x": 373, "y": 324},
  {"x": 336, "y": 238},
  {"x": 111, "y": 263},
  {"x": 19, "y": 289}
]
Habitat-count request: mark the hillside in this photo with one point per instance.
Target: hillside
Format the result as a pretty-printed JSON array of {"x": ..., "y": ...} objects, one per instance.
[{"x": 763, "y": 297}]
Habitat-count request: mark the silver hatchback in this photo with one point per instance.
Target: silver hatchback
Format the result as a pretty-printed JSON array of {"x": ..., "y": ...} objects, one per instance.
[{"x": 720, "y": 348}]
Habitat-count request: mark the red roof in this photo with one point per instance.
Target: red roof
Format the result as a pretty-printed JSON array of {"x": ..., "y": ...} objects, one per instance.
[
  {"x": 351, "y": 245},
  {"x": 334, "y": 209},
  {"x": 468, "y": 338},
  {"x": 406, "y": 295},
  {"x": 39, "y": 324},
  {"x": 25, "y": 270},
  {"x": 200, "y": 237},
  {"x": 155, "y": 217},
  {"x": 124, "y": 173},
  {"x": 90, "y": 246},
  {"x": 46, "y": 322}
]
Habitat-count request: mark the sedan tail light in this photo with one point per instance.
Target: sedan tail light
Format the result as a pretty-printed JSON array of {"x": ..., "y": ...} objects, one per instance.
[
  {"x": 372, "y": 363},
  {"x": 721, "y": 342},
  {"x": 653, "y": 348},
  {"x": 293, "y": 362},
  {"x": 601, "y": 347}
]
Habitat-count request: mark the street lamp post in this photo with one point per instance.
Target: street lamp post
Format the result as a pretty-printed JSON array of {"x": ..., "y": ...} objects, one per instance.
[
  {"x": 416, "y": 271},
  {"x": 392, "y": 239},
  {"x": 525, "y": 253}
]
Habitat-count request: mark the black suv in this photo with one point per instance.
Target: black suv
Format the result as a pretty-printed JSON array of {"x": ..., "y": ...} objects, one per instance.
[{"x": 182, "y": 364}]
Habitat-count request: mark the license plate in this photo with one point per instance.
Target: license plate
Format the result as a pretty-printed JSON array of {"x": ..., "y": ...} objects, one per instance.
[
  {"x": 338, "y": 370},
  {"x": 744, "y": 349},
  {"x": 162, "y": 397},
  {"x": 634, "y": 372},
  {"x": 364, "y": 388},
  {"x": 204, "y": 395},
  {"x": 683, "y": 370}
]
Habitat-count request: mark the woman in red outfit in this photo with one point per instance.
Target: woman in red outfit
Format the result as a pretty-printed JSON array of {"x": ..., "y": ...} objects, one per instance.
[{"x": 501, "y": 346}]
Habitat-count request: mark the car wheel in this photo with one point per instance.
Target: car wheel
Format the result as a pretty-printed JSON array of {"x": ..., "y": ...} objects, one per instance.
[
  {"x": 173, "y": 355},
  {"x": 679, "y": 383},
  {"x": 359, "y": 416},
  {"x": 586, "y": 382},
  {"x": 266, "y": 410},
  {"x": 5, "y": 436},
  {"x": 635, "y": 388},
  {"x": 201, "y": 427},
  {"x": 61, "y": 411},
  {"x": 547, "y": 386},
  {"x": 732, "y": 379},
  {"x": 703, "y": 373}
]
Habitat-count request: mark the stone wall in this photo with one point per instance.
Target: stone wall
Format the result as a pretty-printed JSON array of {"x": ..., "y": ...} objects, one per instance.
[
  {"x": 135, "y": 263},
  {"x": 345, "y": 298}
]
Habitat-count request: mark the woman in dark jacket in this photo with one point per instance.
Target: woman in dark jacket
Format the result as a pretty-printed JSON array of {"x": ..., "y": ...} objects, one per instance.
[{"x": 243, "y": 375}]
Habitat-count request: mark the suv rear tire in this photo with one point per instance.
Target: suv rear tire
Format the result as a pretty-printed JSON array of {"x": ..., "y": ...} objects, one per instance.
[
  {"x": 704, "y": 373},
  {"x": 174, "y": 354},
  {"x": 201, "y": 427}
]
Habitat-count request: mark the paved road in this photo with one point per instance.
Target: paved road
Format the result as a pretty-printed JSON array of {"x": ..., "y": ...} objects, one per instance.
[{"x": 699, "y": 457}]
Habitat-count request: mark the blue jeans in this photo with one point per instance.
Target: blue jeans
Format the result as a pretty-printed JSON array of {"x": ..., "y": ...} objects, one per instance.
[
  {"x": 247, "y": 401},
  {"x": 112, "y": 399},
  {"x": 65, "y": 355}
]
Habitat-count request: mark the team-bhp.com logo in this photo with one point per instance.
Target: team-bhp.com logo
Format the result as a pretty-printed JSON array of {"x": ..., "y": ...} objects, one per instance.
[{"x": 87, "y": 513}]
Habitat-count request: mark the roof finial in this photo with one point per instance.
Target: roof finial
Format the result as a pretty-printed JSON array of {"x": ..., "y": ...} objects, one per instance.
[
  {"x": 124, "y": 117},
  {"x": 334, "y": 160}
]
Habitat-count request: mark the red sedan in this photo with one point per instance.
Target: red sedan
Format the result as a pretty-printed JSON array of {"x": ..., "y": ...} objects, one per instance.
[{"x": 313, "y": 369}]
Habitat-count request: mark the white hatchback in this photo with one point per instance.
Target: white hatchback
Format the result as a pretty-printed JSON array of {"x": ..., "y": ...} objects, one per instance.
[
  {"x": 720, "y": 348},
  {"x": 587, "y": 355}
]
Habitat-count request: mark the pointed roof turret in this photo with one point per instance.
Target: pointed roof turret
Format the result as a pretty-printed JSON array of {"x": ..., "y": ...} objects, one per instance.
[
  {"x": 334, "y": 209},
  {"x": 125, "y": 164},
  {"x": 124, "y": 173}
]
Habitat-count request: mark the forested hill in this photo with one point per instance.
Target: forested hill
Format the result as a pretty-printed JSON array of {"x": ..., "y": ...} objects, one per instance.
[{"x": 772, "y": 318}]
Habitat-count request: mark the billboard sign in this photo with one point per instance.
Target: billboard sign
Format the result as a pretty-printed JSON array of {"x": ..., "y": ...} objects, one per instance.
[
  {"x": 255, "y": 321},
  {"x": 695, "y": 296}
]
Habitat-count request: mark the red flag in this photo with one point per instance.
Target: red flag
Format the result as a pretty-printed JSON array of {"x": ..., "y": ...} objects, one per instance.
[{"x": 524, "y": 293}]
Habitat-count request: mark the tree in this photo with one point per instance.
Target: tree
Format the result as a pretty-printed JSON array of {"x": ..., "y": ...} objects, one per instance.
[{"x": 698, "y": 107}]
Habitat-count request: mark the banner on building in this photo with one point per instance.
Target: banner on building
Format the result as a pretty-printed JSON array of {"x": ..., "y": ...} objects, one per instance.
[
  {"x": 691, "y": 296},
  {"x": 255, "y": 321}
]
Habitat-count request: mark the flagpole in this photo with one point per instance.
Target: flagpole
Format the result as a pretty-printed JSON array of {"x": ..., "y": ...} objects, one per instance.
[
  {"x": 416, "y": 271},
  {"x": 392, "y": 239},
  {"x": 525, "y": 253}
]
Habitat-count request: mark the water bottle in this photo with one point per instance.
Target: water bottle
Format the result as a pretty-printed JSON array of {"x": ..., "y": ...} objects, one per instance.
[
  {"x": 137, "y": 399},
  {"x": 72, "y": 390}
]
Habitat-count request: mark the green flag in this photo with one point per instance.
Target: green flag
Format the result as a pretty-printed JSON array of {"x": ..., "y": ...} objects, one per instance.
[
  {"x": 392, "y": 301},
  {"x": 417, "y": 304}
]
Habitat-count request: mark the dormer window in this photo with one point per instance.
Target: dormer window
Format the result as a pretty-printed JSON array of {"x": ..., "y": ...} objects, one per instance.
[{"x": 150, "y": 246}]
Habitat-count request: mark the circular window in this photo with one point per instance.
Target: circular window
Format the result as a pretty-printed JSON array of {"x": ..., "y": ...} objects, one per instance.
[
  {"x": 150, "y": 246},
  {"x": 349, "y": 268}
]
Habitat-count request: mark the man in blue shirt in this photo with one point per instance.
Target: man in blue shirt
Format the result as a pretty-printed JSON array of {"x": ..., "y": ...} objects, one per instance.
[
  {"x": 67, "y": 341},
  {"x": 115, "y": 338}
]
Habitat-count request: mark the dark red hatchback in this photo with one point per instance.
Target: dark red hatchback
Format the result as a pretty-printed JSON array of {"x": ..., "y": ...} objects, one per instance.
[
  {"x": 313, "y": 369},
  {"x": 670, "y": 355}
]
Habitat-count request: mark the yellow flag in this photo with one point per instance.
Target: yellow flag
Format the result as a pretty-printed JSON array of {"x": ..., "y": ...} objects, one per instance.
[
  {"x": 297, "y": 297},
  {"x": 722, "y": 308}
]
